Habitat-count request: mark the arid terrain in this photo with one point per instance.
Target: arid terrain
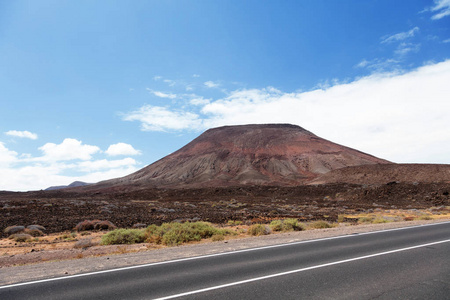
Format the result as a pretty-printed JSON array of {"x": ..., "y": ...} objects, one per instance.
[
  {"x": 60, "y": 211},
  {"x": 252, "y": 174}
]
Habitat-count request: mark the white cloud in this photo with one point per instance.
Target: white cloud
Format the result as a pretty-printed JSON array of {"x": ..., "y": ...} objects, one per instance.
[
  {"x": 195, "y": 75},
  {"x": 400, "y": 116},
  {"x": 104, "y": 164},
  {"x": 405, "y": 48},
  {"x": 24, "y": 173},
  {"x": 122, "y": 149},
  {"x": 69, "y": 149},
  {"x": 169, "y": 82},
  {"x": 161, "y": 94},
  {"x": 442, "y": 7},
  {"x": 38, "y": 176},
  {"x": 399, "y": 36},
  {"x": 156, "y": 118},
  {"x": 363, "y": 63},
  {"x": 446, "y": 41},
  {"x": 22, "y": 134},
  {"x": 156, "y": 78},
  {"x": 211, "y": 84},
  {"x": 381, "y": 65},
  {"x": 199, "y": 101},
  {"x": 7, "y": 157}
]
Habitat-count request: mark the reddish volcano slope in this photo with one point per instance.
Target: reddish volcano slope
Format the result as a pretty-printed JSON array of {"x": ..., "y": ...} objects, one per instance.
[{"x": 272, "y": 154}]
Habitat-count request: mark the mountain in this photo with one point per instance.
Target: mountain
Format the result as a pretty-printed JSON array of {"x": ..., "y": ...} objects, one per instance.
[
  {"x": 73, "y": 184},
  {"x": 270, "y": 154}
]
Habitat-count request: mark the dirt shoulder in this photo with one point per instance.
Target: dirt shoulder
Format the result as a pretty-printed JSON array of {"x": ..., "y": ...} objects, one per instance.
[{"x": 114, "y": 256}]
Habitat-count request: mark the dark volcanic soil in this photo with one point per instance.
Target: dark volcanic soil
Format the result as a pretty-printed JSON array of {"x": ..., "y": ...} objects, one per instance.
[{"x": 59, "y": 211}]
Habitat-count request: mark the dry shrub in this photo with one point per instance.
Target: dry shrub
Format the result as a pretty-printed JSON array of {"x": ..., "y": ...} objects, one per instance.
[
  {"x": 173, "y": 234},
  {"x": 104, "y": 225},
  {"x": 34, "y": 232},
  {"x": 320, "y": 225},
  {"x": 286, "y": 225},
  {"x": 217, "y": 237},
  {"x": 84, "y": 244},
  {"x": 37, "y": 227},
  {"x": 86, "y": 225},
  {"x": 21, "y": 237},
  {"x": 258, "y": 229},
  {"x": 123, "y": 236},
  {"x": 14, "y": 229},
  {"x": 94, "y": 225}
]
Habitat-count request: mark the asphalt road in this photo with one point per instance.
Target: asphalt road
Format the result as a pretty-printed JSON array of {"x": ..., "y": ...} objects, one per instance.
[{"x": 409, "y": 263}]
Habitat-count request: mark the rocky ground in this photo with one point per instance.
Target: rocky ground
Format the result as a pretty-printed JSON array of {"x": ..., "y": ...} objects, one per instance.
[{"x": 60, "y": 211}]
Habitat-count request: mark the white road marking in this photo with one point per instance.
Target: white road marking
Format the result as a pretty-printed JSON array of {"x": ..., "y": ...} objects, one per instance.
[
  {"x": 298, "y": 270},
  {"x": 214, "y": 255}
]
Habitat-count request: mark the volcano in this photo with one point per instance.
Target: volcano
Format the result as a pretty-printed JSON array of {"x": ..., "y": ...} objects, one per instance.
[{"x": 270, "y": 154}]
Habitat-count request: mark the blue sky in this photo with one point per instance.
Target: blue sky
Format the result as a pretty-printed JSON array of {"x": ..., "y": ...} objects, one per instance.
[{"x": 91, "y": 90}]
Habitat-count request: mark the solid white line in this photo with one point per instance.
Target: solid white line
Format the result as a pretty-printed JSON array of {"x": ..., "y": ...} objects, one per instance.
[
  {"x": 216, "y": 254},
  {"x": 298, "y": 270}
]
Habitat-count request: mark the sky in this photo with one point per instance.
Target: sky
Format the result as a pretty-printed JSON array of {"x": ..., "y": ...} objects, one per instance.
[{"x": 92, "y": 90}]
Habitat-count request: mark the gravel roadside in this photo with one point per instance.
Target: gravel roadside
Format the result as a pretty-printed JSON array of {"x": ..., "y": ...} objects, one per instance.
[{"x": 10, "y": 275}]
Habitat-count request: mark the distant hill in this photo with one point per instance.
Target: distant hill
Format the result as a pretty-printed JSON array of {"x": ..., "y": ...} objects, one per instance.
[
  {"x": 73, "y": 184},
  {"x": 270, "y": 154}
]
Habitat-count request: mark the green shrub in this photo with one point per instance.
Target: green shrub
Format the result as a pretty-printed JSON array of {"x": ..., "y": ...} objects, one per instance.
[
  {"x": 379, "y": 220},
  {"x": 365, "y": 220},
  {"x": 258, "y": 229},
  {"x": 217, "y": 237},
  {"x": 276, "y": 225},
  {"x": 234, "y": 223},
  {"x": 123, "y": 236},
  {"x": 320, "y": 225},
  {"x": 173, "y": 234},
  {"x": 424, "y": 217},
  {"x": 286, "y": 225},
  {"x": 292, "y": 225}
]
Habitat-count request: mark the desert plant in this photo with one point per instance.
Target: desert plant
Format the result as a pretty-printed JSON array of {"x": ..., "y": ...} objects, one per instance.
[
  {"x": 173, "y": 234},
  {"x": 38, "y": 227},
  {"x": 84, "y": 244},
  {"x": 14, "y": 229},
  {"x": 365, "y": 220},
  {"x": 34, "y": 232},
  {"x": 123, "y": 236},
  {"x": 424, "y": 217},
  {"x": 320, "y": 225},
  {"x": 21, "y": 237},
  {"x": 292, "y": 225},
  {"x": 258, "y": 229},
  {"x": 379, "y": 220},
  {"x": 234, "y": 223},
  {"x": 276, "y": 225},
  {"x": 286, "y": 225},
  {"x": 217, "y": 237},
  {"x": 94, "y": 225}
]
